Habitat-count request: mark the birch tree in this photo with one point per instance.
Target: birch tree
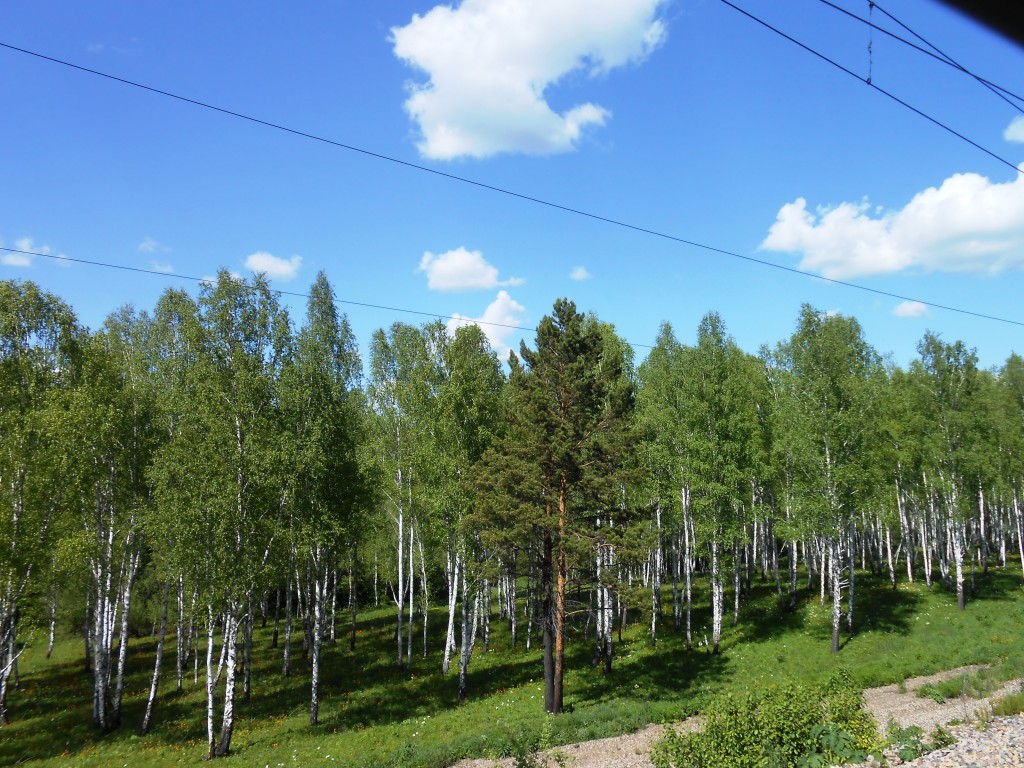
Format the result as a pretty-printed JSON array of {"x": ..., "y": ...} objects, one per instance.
[
  {"x": 947, "y": 385},
  {"x": 322, "y": 413},
  {"x": 219, "y": 472},
  {"x": 107, "y": 420},
  {"x": 829, "y": 418},
  {"x": 39, "y": 342}
]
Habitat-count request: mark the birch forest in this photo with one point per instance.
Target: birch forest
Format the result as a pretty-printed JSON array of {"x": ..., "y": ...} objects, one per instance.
[{"x": 213, "y": 465}]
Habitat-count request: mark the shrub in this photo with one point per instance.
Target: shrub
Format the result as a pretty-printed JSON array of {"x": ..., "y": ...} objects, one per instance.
[
  {"x": 778, "y": 727},
  {"x": 909, "y": 743}
]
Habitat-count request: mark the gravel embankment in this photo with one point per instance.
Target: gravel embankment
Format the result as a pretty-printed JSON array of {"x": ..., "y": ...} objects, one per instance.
[{"x": 980, "y": 743}]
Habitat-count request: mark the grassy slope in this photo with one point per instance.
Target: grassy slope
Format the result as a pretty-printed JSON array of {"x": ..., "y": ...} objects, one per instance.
[{"x": 372, "y": 715}]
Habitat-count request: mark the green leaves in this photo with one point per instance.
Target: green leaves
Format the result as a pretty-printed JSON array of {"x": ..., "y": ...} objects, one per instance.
[{"x": 783, "y": 726}]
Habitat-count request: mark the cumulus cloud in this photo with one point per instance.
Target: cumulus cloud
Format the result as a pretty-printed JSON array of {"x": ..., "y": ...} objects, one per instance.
[
  {"x": 504, "y": 311},
  {"x": 910, "y": 309},
  {"x": 273, "y": 266},
  {"x": 16, "y": 260},
  {"x": 967, "y": 224},
  {"x": 149, "y": 245},
  {"x": 489, "y": 62},
  {"x": 161, "y": 266},
  {"x": 462, "y": 270},
  {"x": 579, "y": 274},
  {"x": 9, "y": 259},
  {"x": 1015, "y": 130}
]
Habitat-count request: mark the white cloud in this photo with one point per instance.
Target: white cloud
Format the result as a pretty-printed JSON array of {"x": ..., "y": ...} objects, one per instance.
[
  {"x": 579, "y": 274},
  {"x": 149, "y": 245},
  {"x": 910, "y": 309},
  {"x": 462, "y": 270},
  {"x": 273, "y": 266},
  {"x": 1015, "y": 130},
  {"x": 26, "y": 259},
  {"x": 502, "y": 312},
  {"x": 161, "y": 266},
  {"x": 489, "y": 62},
  {"x": 16, "y": 260},
  {"x": 967, "y": 224}
]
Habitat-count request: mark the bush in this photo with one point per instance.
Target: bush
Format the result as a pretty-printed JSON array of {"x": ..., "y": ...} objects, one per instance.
[
  {"x": 778, "y": 727},
  {"x": 909, "y": 743}
]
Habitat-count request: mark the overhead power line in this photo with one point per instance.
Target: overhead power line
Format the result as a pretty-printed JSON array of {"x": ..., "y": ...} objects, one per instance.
[
  {"x": 994, "y": 89},
  {"x": 871, "y": 84},
  {"x": 295, "y": 294},
  {"x": 441, "y": 315},
  {"x": 935, "y": 53},
  {"x": 519, "y": 195}
]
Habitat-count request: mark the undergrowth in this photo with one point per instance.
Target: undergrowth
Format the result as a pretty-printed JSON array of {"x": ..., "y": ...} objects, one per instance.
[{"x": 373, "y": 714}]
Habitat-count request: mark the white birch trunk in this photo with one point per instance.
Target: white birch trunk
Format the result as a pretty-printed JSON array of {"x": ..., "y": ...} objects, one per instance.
[
  {"x": 453, "y": 589},
  {"x": 147, "y": 719},
  {"x": 716, "y": 595}
]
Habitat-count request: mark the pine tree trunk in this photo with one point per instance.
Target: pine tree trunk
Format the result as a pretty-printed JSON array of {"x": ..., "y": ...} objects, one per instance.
[
  {"x": 561, "y": 578},
  {"x": 548, "y": 618}
]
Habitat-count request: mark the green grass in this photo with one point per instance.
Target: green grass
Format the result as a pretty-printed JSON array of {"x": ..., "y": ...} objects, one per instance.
[
  {"x": 374, "y": 715},
  {"x": 1012, "y": 704},
  {"x": 979, "y": 684}
]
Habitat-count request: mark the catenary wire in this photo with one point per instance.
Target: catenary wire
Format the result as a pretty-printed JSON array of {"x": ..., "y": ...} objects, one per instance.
[
  {"x": 949, "y": 58},
  {"x": 937, "y": 55},
  {"x": 878, "y": 88}
]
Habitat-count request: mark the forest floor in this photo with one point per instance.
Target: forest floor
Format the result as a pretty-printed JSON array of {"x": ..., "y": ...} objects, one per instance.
[
  {"x": 906, "y": 704},
  {"x": 374, "y": 714}
]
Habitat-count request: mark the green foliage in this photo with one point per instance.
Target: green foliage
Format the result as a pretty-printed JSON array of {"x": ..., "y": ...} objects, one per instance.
[
  {"x": 833, "y": 745},
  {"x": 788, "y": 725},
  {"x": 910, "y": 744},
  {"x": 369, "y": 710},
  {"x": 1011, "y": 704},
  {"x": 931, "y": 691}
]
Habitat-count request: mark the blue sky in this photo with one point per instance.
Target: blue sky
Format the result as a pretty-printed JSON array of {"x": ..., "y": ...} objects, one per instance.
[{"x": 680, "y": 116}]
